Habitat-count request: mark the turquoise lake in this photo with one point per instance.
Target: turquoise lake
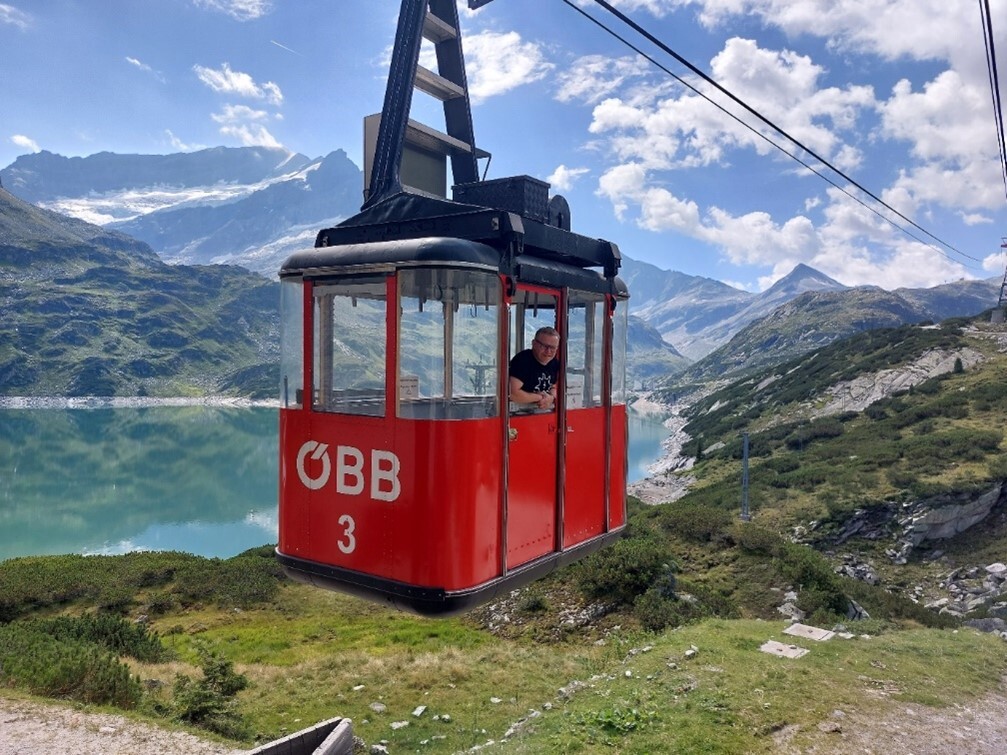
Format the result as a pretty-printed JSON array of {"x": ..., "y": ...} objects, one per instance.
[{"x": 196, "y": 479}]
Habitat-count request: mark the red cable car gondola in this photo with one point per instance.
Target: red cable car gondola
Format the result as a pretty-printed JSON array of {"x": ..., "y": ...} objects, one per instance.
[{"x": 405, "y": 474}]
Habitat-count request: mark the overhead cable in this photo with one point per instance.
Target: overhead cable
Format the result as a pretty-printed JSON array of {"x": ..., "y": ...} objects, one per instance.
[
  {"x": 991, "y": 67},
  {"x": 640, "y": 30}
]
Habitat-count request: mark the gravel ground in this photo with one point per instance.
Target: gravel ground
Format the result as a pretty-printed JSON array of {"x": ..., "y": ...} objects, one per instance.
[
  {"x": 978, "y": 727},
  {"x": 28, "y": 728}
]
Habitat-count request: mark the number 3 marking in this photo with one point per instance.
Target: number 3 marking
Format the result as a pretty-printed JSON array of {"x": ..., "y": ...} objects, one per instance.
[{"x": 349, "y": 543}]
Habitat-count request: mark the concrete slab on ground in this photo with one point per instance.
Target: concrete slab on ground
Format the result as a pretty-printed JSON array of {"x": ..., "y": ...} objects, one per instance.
[
  {"x": 809, "y": 632},
  {"x": 778, "y": 648}
]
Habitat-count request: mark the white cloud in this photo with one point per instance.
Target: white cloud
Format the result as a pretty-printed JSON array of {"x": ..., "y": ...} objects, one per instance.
[
  {"x": 145, "y": 68},
  {"x": 25, "y": 142},
  {"x": 996, "y": 262},
  {"x": 975, "y": 218},
  {"x": 11, "y": 15},
  {"x": 563, "y": 178},
  {"x": 668, "y": 128},
  {"x": 654, "y": 7},
  {"x": 227, "y": 81},
  {"x": 940, "y": 122},
  {"x": 499, "y": 62},
  {"x": 251, "y": 135},
  {"x": 240, "y": 10},
  {"x": 239, "y": 114},
  {"x": 853, "y": 245},
  {"x": 948, "y": 129},
  {"x": 180, "y": 146},
  {"x": 592, "y": 78},
  {"x": 245, "y": 125},
  {"x": 784, "y": 87},
  {"x": 918, "y": 29}
]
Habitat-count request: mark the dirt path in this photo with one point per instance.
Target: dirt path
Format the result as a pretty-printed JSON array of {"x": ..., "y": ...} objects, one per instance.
[
  {"x": 978, "y": 727},
  {"x": 28, "y": 728},
  {"x": 975, "y": 727}
]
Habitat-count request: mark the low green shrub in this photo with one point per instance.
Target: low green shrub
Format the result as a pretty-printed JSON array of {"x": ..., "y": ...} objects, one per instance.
[
  {"x": 113, "y": 633},
  {"x": 700, "y": 523},
  {"x": 876, "y": 411},
  {"x": 209, "y": 702},
  {"x": 819, "y": 429},
  {"x": 240, "y": 582},
  {"x": 819, "y": 587},
  {"x": 656, "y": 611},
  {"x": 66, "y": 668},
  {"x": 755, "y": 539},
  {"x": 625, "y": 570},
  {"x": 111, "y": 582}
]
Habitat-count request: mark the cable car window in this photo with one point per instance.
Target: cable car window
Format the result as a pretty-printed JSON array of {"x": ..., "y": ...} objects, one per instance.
[
  {"x": 530, "y": 310},
  {"x": 585, "y": 349},
  {"x": 349, "y": 346},
  {"x": 449, "y": 327},
  {"x": 291, "y": 342},
  {"x": 620, "y": 329}
]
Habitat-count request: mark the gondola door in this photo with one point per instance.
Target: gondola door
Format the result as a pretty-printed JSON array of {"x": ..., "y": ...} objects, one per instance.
[
  {"x": 532, "y": 499},
  {"x": 586, "y": 412}
]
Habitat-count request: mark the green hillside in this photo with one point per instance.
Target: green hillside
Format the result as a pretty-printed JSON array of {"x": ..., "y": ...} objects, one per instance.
[
  {"x": 651, "y": 645},
  {"x": 90, "y": 312},
  {"x": 851, "y": 480}
]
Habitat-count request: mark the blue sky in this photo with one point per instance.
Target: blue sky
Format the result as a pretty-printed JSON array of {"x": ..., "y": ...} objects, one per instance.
[{"x": 893, "y": 92}]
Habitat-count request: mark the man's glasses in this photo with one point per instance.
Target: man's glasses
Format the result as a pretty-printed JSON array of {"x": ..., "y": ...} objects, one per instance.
[{"x": 545, "y": 346}]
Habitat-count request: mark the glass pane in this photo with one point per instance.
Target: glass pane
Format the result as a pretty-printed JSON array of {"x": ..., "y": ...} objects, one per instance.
[
  {"x": 421, "y": 346},
  {"x": 291, "y": 342},
  {"x": 585, "y": 349},
  {"x": 350, "y": 347},
  {"x": 448, "y": 334},
  {"x": 531, "y": 311},
  {"x": 476, "y": 350},
  {"x": 620, "y": 327}
]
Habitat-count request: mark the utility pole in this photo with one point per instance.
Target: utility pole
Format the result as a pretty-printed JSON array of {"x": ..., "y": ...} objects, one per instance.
[
  {"x": 997, "y": 316},
  {"x": 745, "y": 515}
]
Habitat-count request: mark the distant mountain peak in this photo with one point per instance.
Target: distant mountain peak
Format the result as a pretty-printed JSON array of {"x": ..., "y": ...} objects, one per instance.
[{"x": 805, "y": 278}]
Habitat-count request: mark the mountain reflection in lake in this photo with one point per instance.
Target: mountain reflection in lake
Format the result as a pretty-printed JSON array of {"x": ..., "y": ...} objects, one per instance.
[{"x": 196, "y": 479}]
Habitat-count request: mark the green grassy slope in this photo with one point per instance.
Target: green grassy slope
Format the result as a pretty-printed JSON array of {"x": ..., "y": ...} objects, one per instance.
[{"x": 94, "y": 312}]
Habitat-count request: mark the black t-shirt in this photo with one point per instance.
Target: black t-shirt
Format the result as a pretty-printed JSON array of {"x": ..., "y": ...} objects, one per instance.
[{"x": 535, "y": 377}]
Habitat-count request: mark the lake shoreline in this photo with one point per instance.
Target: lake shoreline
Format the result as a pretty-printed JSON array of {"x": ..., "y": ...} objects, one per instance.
[
  {"x": 129, "y": 402},
  {"x": 657, "y": 487}
]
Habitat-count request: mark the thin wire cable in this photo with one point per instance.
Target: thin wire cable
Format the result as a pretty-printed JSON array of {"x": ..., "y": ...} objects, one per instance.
[
  {"x": 762, "y": 136},
  {"x": 769, "y": 123},
  {"x": 991, "y": 67}
]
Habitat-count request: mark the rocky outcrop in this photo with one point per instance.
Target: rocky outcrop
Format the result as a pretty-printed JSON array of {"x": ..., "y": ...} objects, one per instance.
[
  {"x": 857, "y": 394},
  {"x": 974, "y": 588},
  {"x": 916, "y": 523},
  {"x": 942, "y": 522}
]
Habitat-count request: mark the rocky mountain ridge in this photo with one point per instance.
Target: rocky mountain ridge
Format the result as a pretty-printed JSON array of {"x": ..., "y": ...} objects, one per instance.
[
  {"x": 815, "y": 319},
  {"x": 90, "y": 311},
  {"x": 254, "y": 206},
  {"x": 250, "y": 206}
]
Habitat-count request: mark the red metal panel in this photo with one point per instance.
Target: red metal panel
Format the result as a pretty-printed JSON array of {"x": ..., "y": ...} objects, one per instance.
[
  {"x": 584, "y": 499},
  {"x": 617, "y": 464},
  {"x": 415, "y": 501},
  {"x": 531, "y": 488}
]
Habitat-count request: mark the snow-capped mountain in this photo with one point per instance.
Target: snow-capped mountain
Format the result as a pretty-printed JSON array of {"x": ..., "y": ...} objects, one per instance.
[
  {"x": 249, "y": 206},
  {"x": 253, "y": 206}
]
